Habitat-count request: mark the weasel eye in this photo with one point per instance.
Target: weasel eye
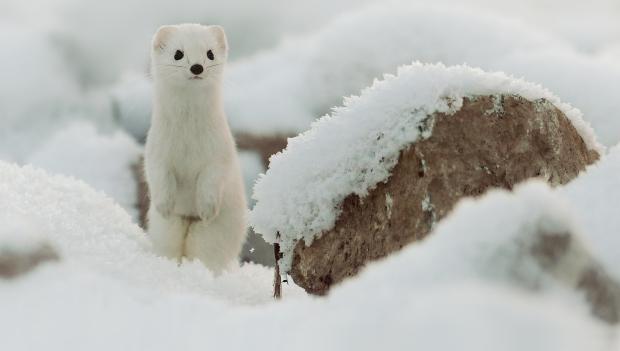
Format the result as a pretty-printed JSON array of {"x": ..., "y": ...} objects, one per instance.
[
  {"x": 178, "y": 55},
  {"x": 210, "y": 55}
]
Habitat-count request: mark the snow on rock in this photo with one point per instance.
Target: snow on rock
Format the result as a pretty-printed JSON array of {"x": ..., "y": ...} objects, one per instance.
[
  {"x": 355, "y": 148},
  {"x": 103, "y": 161},
  {"x": 97, "y": 235}
]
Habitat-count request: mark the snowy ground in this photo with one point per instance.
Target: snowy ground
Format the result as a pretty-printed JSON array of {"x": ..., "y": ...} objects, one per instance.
[
  {"x": 75, "y": 101},
  {"x": 470, "y": 285}
]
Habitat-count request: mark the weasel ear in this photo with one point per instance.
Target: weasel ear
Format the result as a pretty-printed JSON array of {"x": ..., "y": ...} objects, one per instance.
[
  {"x": 220, "y": 36},
  {"x": 162, "y": 35}
]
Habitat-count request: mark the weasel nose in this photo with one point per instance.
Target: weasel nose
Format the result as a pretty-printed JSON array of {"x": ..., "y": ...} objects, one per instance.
[{"x": 196, "y": 69}]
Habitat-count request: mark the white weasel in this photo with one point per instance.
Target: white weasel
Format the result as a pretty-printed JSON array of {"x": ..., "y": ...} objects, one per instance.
[{"x": 198, "y": 204}]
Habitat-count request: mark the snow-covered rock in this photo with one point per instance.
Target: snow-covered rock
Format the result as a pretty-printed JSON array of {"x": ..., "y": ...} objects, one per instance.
[
  {"x": 355, "y": 148},
  {"x": 490, "y": 142}
]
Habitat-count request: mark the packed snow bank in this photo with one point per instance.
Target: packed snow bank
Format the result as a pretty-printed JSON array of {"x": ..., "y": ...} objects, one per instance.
[
  {"x": 102, "y": 161},
  {"x": 285, "y": 89},
  {"x": 93, "y": 233},
  {"x": 355, "y": 148}
]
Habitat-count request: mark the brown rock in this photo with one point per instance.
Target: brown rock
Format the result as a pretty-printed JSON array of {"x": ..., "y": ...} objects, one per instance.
[
  {"x": 142, "y": 191},
  {"x": 492, "y": 142},
  {"x": 265, "y": 146},
  {"x": 566, "y": 259},
  {"x": 14, "y": 263}
]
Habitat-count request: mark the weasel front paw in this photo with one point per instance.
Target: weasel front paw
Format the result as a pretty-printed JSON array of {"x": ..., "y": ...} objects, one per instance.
[
  {"x": 165, "y": 208},
  {"x": 208, "y": 209}
]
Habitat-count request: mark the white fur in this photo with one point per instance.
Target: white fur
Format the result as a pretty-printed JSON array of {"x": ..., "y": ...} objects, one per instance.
[{"x": 198, "y": 202}]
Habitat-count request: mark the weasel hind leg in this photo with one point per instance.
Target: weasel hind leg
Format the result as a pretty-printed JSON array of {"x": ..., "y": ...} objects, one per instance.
[
  {"x": 216, "y": 243},
  {"x": 168, "y": 235}
]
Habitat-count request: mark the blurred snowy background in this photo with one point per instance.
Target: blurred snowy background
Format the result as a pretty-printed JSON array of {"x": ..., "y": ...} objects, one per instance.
[
  {"x": 75, "y": 89},
  {"x": 75, "y": 100}
]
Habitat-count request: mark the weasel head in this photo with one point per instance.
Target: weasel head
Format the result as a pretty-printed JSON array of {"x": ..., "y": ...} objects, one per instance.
[{"x": 188, "y": 55}]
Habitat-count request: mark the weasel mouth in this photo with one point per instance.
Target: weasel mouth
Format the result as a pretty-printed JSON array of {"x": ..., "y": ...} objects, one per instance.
[{"x": 195, "y": 77}]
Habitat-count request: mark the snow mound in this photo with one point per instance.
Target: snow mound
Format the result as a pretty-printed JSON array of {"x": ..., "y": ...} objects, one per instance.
[
  {"x": 97, "y": 235},
  {"x": 354, "y": 148}
]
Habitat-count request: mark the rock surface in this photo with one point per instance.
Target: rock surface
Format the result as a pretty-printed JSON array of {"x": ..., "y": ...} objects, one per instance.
[{"x": 493, "y": 141}]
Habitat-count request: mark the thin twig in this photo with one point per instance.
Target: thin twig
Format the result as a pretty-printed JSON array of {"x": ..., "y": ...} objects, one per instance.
[{"x": 277, "y": 280}]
